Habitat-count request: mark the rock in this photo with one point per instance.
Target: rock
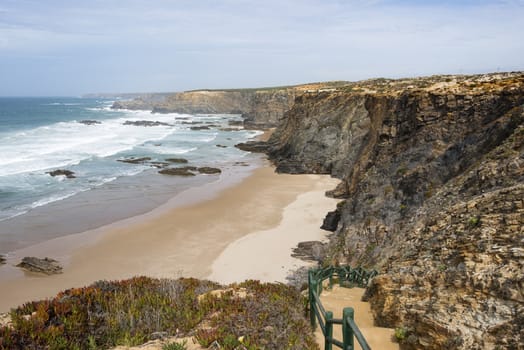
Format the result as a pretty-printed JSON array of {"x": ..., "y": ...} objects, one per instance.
[
  {"x": 241, "y": 164},
  {"x": 145, "y": 123},
  {"x": 203, "y": 127},
  {"x": 221, "y": 146},
  {"x": 47, "y": 266},
  {"x": 236, "y": 123},
  {"x": 133, "y": 160},
  {"x": 158, "y": 335},
  {"x": 209, "y": 170},
  {"x": 186, "y": 171},
  {"x": 159, "y": 165},
  {"x": 253, "y": 146},
  {"x": 229, "y": 129},
  {"x": 331, "y": 221},
  {"x": 62, "y": 172},
  {"x": 90, "y": 122},
  {"x": 176, "y": 160},
  {"x": 2, "y": 259},
  {"x": 309, "y": 251}
]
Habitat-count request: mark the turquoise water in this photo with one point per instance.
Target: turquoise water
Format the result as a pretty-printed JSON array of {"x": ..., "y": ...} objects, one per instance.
[{"x": 39, "y": 135}]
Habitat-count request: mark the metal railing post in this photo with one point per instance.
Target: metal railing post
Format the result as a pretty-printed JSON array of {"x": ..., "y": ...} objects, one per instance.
[
  {"x": 347, "y": 332},
  {"x": 311, "y": 284},
  {"x": 329, "y": 331}
]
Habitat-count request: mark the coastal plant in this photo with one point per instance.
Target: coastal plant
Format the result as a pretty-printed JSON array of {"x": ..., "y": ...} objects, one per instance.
[
  {"x": 401, "y": 334},
  {"x": 251, "y": 315},
  {"x": 175, "y": 346}
]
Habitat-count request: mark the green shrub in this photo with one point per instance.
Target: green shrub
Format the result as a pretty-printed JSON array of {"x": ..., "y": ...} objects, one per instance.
[
  {"x": 175, "y": 346},
  {"x": 401, "y": 334}
]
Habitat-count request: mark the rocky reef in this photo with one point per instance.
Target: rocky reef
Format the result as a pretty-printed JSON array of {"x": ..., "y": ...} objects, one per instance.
[{"x": 432, "y": 191}]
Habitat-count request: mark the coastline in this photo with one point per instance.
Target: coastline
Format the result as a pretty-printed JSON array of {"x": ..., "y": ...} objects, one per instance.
[{"x": 182, "y": 238}]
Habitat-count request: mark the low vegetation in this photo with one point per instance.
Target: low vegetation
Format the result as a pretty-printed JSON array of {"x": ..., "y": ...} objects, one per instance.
[{"x": 106, "y": 314}]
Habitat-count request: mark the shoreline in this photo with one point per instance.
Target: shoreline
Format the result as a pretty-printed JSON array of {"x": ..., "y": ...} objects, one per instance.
[{"x": 181, "y": 238}]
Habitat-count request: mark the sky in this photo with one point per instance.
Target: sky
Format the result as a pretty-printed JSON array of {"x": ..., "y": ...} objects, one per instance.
[{"x": 72, "y": 47}]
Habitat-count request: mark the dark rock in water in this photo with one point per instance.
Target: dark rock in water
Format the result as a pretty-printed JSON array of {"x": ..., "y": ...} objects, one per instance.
[
  {"x": 2, "y": 259},
  {"x": 146, "y": 123},
  {"x": 236, "y": 123},
  {"x": 159, "y": 165},
  {"x": 331, "y": 221},
  {"x": 241, "y": 164},
  {"x": 221, "y": 146},
  {"x": 62, "y": 172},
  {"x": 230, "y": 129},
  {"x": 134, "y": 160},
  {"x": 203, "y": 127},
  {"x": 253, "y": 146},
  {"x": 209, "y": 170},
  {"x": 309, "y": 251},
  {"x": 46, "y": 265},
  {"x": 90, "y": 122},
  {"x": 177, "y": 171},
  {"x": 176, "y": 160}
]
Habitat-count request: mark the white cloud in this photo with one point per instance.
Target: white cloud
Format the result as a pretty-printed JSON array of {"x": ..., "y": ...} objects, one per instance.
[{"x": 286, "y": 41}]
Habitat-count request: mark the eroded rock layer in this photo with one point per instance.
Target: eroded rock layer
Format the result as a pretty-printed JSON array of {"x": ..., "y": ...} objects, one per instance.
[{"x": 432, "y": 182}]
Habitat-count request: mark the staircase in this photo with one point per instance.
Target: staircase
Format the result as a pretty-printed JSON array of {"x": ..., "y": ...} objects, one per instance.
[{"x": 336, "y": 299}]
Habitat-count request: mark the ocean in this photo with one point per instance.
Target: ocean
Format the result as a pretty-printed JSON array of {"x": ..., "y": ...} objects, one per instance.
[{"x": 100, "y": 147}]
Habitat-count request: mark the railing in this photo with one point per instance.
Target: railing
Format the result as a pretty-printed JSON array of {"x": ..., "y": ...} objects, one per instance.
[{"x": 346, "y": 277}]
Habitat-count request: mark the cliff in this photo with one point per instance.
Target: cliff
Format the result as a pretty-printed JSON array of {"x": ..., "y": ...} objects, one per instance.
[
  {"x": 260, "y": 108},
  {"x": 432, "y": 182}
]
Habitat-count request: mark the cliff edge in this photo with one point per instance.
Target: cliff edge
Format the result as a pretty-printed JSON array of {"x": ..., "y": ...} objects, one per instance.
[{"x": 432, "y": 190}]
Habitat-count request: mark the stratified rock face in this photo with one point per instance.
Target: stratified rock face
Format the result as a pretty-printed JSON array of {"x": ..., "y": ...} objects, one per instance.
[
  {"x": 432, "y": 174},
  {"x": 260, "y": 108}
]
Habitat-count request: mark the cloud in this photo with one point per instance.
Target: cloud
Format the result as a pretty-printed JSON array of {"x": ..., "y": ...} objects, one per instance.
[{"x": 248, "y": 43}]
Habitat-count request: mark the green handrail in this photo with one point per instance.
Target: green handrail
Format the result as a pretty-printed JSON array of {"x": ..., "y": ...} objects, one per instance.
[{"x": 346, "y": 276}]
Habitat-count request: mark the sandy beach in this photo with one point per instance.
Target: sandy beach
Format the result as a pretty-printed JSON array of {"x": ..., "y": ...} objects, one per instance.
[{"x": 245, "y": 230}]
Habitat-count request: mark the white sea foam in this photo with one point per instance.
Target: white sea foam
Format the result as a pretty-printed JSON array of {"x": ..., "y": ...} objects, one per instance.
[
  {"x": 91, "y": 152},
  {"x": 68, "y": 143}
]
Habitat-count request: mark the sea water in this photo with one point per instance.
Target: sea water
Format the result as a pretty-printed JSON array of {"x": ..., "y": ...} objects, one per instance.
[{"x": 87, "y": 137}]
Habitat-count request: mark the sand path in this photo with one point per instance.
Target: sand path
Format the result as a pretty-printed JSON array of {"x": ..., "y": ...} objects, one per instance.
[{"x": 338, "y": 298}]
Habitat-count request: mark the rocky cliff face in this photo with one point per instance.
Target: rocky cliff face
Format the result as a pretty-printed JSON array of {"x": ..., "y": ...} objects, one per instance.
[
  {"x": 432, "y": 182},
  {"x": 260, "y": 108}
]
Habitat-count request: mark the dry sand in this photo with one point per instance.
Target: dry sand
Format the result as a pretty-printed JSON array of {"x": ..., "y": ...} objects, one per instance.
[{"x": 277, "y": 211}]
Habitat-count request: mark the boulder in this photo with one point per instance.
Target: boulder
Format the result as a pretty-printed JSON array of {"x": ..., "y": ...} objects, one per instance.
[
  {"x": 133, "y": 160},
  {"x": 221, "y": 146},
  {"x": 62, "y": 172},
  {"x": 331, "y": 221},
  {"x": 253, "y": 146},
  {"x": 89, "y": 122},
  {"x": 209, "y": 170},
  {"x": 203, "y": 127},
  {"x": 309, "y": 251},
  {"x": 47, "y": 266},
  {"x": 145, "y": 123},
  {"x": 236, "y": 123},
  {"x": 177, "y": 160},
  {"x": 186, "y": 171}
]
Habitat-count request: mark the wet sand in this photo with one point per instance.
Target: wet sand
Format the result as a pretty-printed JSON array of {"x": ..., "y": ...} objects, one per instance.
[{"x": 182, "y": 238}]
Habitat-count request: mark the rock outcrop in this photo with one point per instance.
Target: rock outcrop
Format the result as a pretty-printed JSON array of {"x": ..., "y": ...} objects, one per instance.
[
  {"x": 260, "y": 108},
  {"x": 46, "y": 265},
  {"x": 432, "y": 178},
  {"x": 62, "y": 172}
]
